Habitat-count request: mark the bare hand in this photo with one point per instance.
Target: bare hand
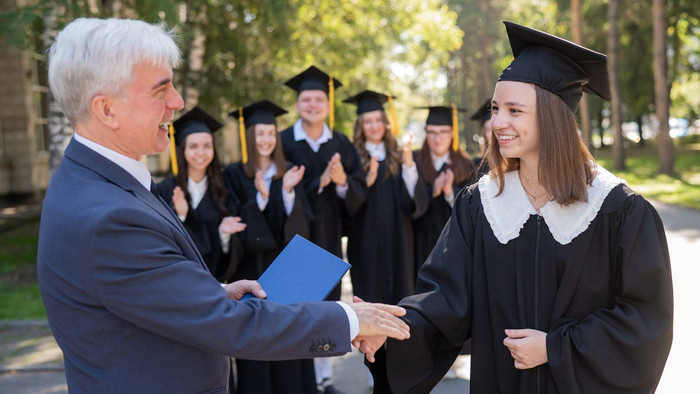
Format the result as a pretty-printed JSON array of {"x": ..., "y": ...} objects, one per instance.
[
  {"x": 449, "y": 181},
  {"x": 292, "y": 178},
  {"x": 407, "y": 152},
  {"x": 527, "y": 347},
  {"x": 337, "y": 171},
  {"x": 261, "y": 185},
  {"x": 372, "y": 172},
  {"x": 237, "y": 289},
  {"x": 439, "y": 184},
  {"x": 180, "y": 202},
  {"x": 325, "y": 177},
  {"x": 377, "y": 322},
  {"x": 231, "y": 225},
  {"x": 368, "y": 344}
]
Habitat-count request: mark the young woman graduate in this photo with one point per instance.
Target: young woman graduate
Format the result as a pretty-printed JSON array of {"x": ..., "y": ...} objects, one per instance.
[
  {"x": 558, "y": 271},
  {"x": 197, "y": 194},
  {"x": 274, "y": 207},
  {"x": 483, "y": 116},
  {"x": 380, "y": 243},
  {"x": 445, "y": 169}
]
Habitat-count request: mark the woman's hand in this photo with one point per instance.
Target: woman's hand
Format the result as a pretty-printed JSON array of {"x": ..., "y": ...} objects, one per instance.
[
  {"x": 231, "y": 225},
  {"x": 292, "y": 178},
  {"x": 449, "y": 181},
  {"x": 372, "y": 172},
  {"x": 438, "y": 184},
  {"x": 180, "y": 202},
  {"x": 261, "y": 185},
  {"x": 407, "y": 152},
  {"x": 527, "y": 347}
]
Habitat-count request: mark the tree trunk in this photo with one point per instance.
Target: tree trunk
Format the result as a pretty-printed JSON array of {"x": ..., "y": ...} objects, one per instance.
[
  {"x": 583, "y": 106},
  {"x": 616, "y": 110},
  {"x": 661, "y": 89},
  {"x": 464, "y": 94},
  {"x": 485, "y": 46},
  {"x": 640, "y": 122}
]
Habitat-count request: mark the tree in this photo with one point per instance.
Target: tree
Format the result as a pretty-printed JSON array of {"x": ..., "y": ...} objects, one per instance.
[
  {"x": 661, "y": 88},
  {"x": 613, "y": 53},
  {"x": 578, "y": 38}
]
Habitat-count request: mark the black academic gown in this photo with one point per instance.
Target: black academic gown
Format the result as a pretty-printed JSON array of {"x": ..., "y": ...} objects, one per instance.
[
  {"x": 266, "y": 234},
  {"x": 329, "y": 210},
  {"x": 380, "y": 244},
  {"x": 427, "y": 227},
  {"x": 202, "y": 224},
  {"x": 604, "y": 300}
]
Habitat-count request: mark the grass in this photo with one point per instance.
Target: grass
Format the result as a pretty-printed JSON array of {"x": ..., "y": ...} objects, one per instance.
[{"x": 642, "y": 175}]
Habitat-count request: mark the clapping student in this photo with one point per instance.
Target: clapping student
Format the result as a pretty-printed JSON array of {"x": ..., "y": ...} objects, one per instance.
[
  {"x": 197, "y": 194},
  {"x": 380, "y": 244},
  {"x": 558, "y": 271},
  {"x": 273, "y": 205},
  {"x": 445, "y": 169}
]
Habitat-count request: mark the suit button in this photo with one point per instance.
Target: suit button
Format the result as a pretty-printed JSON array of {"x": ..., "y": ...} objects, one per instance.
[
  {"x": 326, "y": 347},
  {"x": 320, "y": 348},
  {"x": 312, "y": 349}
]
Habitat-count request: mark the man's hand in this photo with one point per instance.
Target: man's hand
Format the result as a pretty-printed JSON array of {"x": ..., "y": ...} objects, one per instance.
[
  {"x": 439, "y": 184},
  {"x": 338, "y": 175},
  {"x": 180, "y": 202},
  {"x": 377, "y": 322},
  {"x": 231, "y": 225},
  {"x": 325, "y": 176},
  {"x": 449, "y": 181},
  {"x": 237, "y": 289},
  {"x": 527, "y": 347}
]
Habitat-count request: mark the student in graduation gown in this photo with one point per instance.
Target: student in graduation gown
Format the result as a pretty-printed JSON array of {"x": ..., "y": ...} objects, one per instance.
[
  {"x": 273, "y": 206},
  {"x": 333, "y": 179},
  {"x": 197, "y": 194},
  {"x": 445, "y": 169},
  {"x": 558, "y": 271},
  {"x": 380, "y": 243},
  {"x": 483, "y": 116}
]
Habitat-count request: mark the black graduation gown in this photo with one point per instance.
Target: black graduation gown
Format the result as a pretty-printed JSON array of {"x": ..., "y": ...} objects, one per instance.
[
  {"x": 427, "y": 227},
  {"x": 202, "y": 224},
  {"x": 604, "y": 300},
  {"x": 265, "y": 236},
  {"x": 328, "y": 209},
  {"x": 380, "y": 244}
]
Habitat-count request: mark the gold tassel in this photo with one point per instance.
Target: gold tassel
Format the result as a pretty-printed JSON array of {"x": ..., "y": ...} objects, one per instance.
[
  {"x": 173, "y": 155},
  {"x": 455, "y": 130},
  {"x": 331, "y": 99},
  {"x": 394, "y": 119},
  {"x": 241, "y": 131}
]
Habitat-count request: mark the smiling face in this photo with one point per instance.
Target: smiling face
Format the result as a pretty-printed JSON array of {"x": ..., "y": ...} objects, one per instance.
[
  {"x": 265, "y": 139},
  {"x": 514, "y": 120},
  {"x": 312, "y": 106},
  {"x": 439, "y": 139},
  {"x": 373, "y": 126},
  {"x": 199, "y": 151},
  {"x": 142, "y": 114}
]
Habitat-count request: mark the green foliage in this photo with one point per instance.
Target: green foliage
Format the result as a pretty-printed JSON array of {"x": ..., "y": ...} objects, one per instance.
[
  {"x": 19, "y": 291},
  {"x": 20, "y": 302}
]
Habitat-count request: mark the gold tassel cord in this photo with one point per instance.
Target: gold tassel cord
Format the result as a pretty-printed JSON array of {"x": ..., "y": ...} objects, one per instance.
[
  {"x": 241, "y": 132},
  {"x": 394, "y": 119},
  {"x": 455, "y": 130},
  {"x": 331, "y": 99},
  {"x": 173, "y": 155}
]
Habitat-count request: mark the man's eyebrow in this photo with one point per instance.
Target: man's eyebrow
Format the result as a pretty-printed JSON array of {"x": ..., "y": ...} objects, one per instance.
[{"x": 161, "y": 83}]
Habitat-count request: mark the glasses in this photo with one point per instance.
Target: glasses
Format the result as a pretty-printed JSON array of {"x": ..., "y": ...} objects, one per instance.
[{"x": 441, "y": 133}]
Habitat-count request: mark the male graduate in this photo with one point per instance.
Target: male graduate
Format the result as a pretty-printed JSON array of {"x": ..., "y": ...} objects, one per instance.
[{"x": 128, "y": 296}]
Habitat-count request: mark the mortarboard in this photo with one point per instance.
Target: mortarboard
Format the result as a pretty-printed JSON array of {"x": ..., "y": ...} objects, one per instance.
[
  {"x": 484, "y": 113},
  {"x": 314, "y": 79},
  {"x": 368, "y": 101},
  {"x": 552, "y": 63},
  {"x": 445, "y": 116},
  {"x": 193, "y": 121},
  {"x": 260, "y": 112}
]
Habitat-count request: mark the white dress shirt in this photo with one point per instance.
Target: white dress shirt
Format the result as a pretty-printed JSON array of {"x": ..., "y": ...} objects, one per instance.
[{"x": 315, "y": 145}]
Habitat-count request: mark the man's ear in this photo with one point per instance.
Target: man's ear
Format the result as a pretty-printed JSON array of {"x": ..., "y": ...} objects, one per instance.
[{"x": 102, "y": 109}]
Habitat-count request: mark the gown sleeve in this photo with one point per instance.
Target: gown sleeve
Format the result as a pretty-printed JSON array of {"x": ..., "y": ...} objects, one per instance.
[
  {"x": 626, "y": 345},
  {"x": 439, "y": 315}
]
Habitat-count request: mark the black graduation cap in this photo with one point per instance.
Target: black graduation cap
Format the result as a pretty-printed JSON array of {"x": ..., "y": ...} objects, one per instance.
[
  {"x": 484, "y": 113},
  {"x": 368, "y": 101},
  {"x": 264, "y": 111},
  {"x": 311, "y": 79},
  {"x": 560, "y": 66},
  {"x": 440, "y": 115},
  {"x": 194, "y": 121}
]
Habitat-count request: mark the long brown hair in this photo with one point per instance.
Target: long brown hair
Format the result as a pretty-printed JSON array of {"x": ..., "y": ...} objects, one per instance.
[
  {"x": 392, "y": 155},
  {"x": 215, "y": 180},
  {"x": 564, "y": 163},
  {"x": 460, "y": 163},
  {"x": 277, "y": 155}
]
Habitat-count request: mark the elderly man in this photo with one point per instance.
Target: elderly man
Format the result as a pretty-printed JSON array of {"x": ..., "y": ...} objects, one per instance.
[{"x": 128, "y": 297}]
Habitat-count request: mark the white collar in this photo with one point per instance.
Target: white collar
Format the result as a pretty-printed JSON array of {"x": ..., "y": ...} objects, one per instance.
[
  {"x": 271, "y": 171},
  {"x": 508, "y": 212},
  {"x": 377, "y": 151},
  {"x": 198, "y": 186},
  {"x": 439, "y": 161},
  {"x": 133, "y": 167},
  {"x": 300, "y": 135}
]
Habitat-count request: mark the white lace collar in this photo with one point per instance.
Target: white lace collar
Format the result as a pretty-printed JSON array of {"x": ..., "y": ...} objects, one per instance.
[
  {"x": 376, "y": 150},
  {"x": 508, "y": 212}
]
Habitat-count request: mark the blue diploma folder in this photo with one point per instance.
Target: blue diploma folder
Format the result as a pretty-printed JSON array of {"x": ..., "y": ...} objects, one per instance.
[{"x": 302, "y": 272}]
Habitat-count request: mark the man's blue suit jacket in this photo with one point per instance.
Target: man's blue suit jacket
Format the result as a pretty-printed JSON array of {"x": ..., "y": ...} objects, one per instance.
[{"x": 131, "y": 303}]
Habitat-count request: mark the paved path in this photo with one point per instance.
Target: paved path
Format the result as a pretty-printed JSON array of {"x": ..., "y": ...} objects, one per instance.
[{"x": 30, "y": 362}]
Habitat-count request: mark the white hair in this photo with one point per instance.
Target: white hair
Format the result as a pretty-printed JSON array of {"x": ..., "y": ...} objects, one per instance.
[{"x": 96, "y": 56}]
